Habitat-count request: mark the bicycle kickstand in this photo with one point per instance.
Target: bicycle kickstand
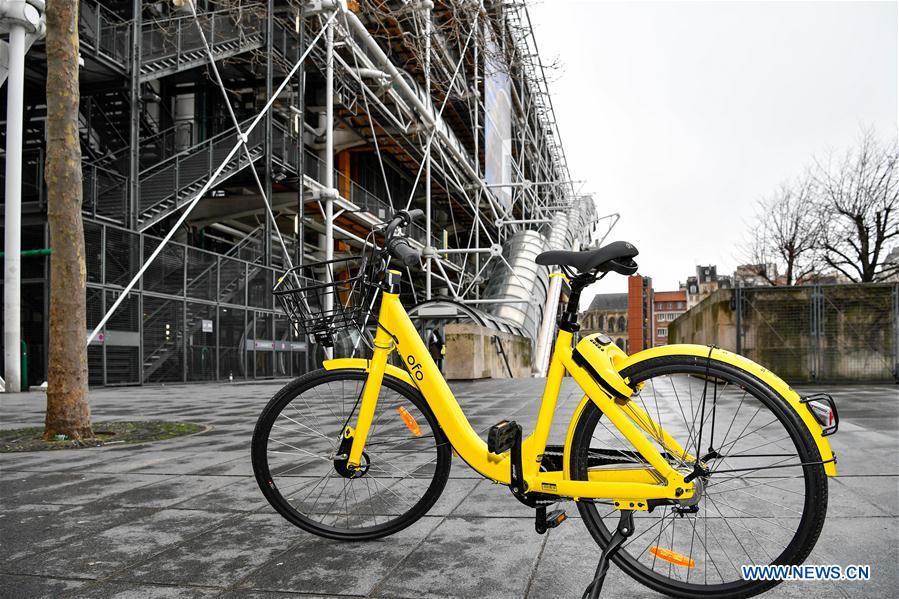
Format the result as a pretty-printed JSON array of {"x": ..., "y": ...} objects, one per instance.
[{"x": 624, "y": 530}]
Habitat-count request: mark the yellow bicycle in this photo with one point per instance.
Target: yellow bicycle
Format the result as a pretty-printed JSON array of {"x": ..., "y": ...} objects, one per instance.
[{"x": 685, "y": 462}]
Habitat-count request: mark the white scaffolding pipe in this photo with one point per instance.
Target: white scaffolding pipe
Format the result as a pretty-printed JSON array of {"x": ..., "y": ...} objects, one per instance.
[
  {"x": 329, "y": 154},
  {"x": 25, "y": 22},
  {"x": 12, "y": 260},
  {"x": 428, "y": 231}
]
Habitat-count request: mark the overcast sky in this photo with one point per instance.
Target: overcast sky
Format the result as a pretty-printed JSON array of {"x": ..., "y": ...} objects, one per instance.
[{"x": 680, "y": 115}]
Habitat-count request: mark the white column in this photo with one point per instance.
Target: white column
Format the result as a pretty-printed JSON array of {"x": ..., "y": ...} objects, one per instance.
[{"x": 12, "y": 273}]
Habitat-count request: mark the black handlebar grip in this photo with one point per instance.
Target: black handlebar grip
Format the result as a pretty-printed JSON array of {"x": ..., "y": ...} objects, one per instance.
[
  {"x": 401, "y": 250},
  {"x": 415, "y": 214}
]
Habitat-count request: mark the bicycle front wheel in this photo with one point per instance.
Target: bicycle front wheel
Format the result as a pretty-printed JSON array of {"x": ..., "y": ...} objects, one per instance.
[
  {"x": 301, "y": 471},
  {"x": 763, "y": 497}
]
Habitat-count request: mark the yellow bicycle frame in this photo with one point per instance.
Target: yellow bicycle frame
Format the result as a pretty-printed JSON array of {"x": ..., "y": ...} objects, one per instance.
[{"x": 631, "y": 485}]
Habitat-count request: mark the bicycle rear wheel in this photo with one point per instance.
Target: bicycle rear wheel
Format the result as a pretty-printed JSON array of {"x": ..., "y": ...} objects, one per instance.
[
  {"x": 763, "y": 501},
  {"x": 298, "y": 466}
]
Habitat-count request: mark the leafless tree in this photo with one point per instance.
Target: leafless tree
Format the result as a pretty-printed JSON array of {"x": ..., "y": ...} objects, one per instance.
[
  {"x": 786, "y": 234},
  {"x": 858, "y": 210},
  {"x": 68, "y": 410}
]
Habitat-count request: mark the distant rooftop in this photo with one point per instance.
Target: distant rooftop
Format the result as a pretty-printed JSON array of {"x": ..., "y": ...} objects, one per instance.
[
  {"x": 671, "y": 296},
  {"x": 609, "y": 301}
]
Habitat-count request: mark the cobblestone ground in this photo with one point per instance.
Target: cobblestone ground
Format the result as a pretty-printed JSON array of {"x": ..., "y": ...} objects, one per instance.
[{"x": 184, "y": 518}]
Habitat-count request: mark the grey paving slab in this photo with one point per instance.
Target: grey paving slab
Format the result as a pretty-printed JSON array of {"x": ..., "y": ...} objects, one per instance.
[
  {"x": 879, "y": 491},
  {"x": 221, "y": 557},
  {"x": 468, "y": 557},
  {"x": 27, "y": 530},
  {"x": 494, "y": 500},
  {"x": 81, "y": 488},
  {"x": 316, "y": 565},
  {"x": 119, "y": 590},
  {"x": 35, "y": 587},
  {"x": 241, "y": 494},
  {"x": 104, "y": 553},
  {"x": 168, "y": 491}
]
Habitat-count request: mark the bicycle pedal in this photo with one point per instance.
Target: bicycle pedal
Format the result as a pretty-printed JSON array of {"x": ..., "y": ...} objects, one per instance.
[
  {"x": 502, "y": 436},
  {"x": 544, "y": 521}
]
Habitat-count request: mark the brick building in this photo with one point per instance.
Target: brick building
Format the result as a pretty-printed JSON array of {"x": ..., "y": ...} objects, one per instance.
[
  {"x": 667, "y": 305},
  {"x": 639, "y": 313}
]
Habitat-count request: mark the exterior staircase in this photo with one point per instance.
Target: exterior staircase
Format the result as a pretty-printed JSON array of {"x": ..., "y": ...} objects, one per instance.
[
  {"x": 175, "y": 181},
  {"x": 173, "y": 45}
]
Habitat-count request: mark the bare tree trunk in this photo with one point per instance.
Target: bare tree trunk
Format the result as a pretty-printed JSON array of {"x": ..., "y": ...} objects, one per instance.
[{"x": 68, "y": 410}]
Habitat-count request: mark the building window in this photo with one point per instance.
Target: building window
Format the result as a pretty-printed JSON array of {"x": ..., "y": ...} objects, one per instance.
[
  {"x": 622, "y": 324},
  {"x": 661, "y": 332}
]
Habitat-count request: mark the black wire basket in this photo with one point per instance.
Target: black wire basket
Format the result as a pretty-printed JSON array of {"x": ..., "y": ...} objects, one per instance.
[{"x": 325, "y": 299}]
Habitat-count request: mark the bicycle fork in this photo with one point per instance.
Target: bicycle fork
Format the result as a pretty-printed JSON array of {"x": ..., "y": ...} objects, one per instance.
[{"x": 369, "y": 400}]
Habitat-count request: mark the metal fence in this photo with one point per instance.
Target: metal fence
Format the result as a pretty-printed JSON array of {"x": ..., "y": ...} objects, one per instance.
[
  {"x": 194, "y": 316},
  {"x": 821, "y": 333}
]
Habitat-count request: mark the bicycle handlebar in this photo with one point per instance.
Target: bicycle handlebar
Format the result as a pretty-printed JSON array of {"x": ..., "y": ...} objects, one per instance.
[{"x": 399, "y": 247}]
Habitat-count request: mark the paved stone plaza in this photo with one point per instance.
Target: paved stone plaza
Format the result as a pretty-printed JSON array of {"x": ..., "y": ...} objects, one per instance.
[{"x": 184, "y": 518}]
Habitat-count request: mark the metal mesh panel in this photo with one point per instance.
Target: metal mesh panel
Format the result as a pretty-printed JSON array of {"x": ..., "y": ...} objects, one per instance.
[
  {"x": 260, "y": 284},
  {"x": 122, "y": 256},
  {"x": 263, "y": 346},
  {"x": 166, "y": 273},
  {"x": 857, "y": 329},
  {"x": 201, "y": 350},
  {"x": 777, "y": 330},
  {"x": 232, "y": 338},
  {"x": 121, "y": 338},
  {"x": 163, "y": 340},
  {"x": 95, "y": 349},
  {"x": 232, "y": 281},
  {"x": 202, "y": 272},
  {"x": 93, "y": 251}
]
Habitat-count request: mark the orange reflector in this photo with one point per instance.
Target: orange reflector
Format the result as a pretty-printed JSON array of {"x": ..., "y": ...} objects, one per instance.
[
  {"x": 671, "y": 556},
  {"x": 409, "y": 420}
]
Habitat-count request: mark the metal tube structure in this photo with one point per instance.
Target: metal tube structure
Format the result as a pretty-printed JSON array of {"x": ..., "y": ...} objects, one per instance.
[
  {"x": 12, "y": 261},
  {"x": 426, "y": 8},
  {"x": 328, "y": 303},
  {"x": 448, "y": 118}
]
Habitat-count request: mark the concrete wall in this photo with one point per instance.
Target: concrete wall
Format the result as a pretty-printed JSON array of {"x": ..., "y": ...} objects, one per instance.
[
  {"x": 827, "y": 333},
  {"x": 711, "y": 322},
  {"x": 472, "y": 353}
]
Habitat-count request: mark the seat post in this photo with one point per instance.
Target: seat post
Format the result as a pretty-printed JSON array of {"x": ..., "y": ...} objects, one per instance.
[{"x": 568, "y": 321}]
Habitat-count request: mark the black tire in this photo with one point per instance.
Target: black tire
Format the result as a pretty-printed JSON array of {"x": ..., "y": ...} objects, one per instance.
[
  {"x": 414, "y": 490},
  {"x": 806, "y": 478}
]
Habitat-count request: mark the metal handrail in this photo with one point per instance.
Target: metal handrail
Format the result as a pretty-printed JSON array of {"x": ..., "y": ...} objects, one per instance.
[
  {"x": 215, "y": 23},
  {"x": 95, "y": 33}
]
